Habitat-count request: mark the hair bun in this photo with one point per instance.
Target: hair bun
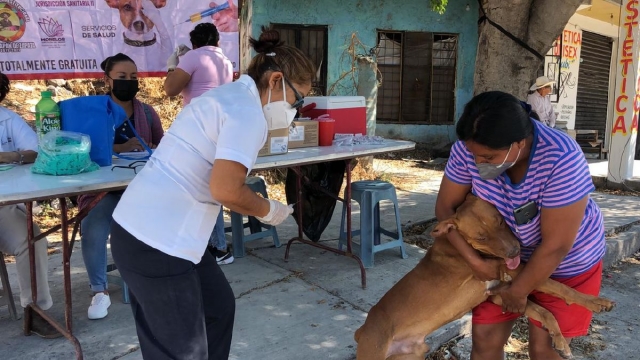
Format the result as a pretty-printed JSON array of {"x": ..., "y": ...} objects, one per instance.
[
  {"x": 103, "y": 64},
  {"x": 268, "y": 41}
]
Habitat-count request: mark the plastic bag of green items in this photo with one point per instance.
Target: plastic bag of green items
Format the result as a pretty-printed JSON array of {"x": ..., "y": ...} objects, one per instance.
[{"x": 64, "y": 153}]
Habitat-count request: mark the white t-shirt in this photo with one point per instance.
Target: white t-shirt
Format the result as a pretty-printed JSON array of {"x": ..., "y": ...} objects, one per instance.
[
  {"x": 168, "y": 205},
  {"x": 542, "y": 106},
  {"x": 15, "y": 134}
]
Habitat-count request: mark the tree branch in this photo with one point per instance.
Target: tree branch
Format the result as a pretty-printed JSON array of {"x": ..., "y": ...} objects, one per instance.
[{"x": 547, "y": 19}]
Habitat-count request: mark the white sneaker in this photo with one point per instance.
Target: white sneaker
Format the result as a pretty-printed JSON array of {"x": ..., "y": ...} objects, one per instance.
[{"x": 99, "y": 305}]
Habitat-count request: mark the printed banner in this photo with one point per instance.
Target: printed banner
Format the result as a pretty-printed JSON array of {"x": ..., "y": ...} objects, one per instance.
[{"x": 69, "y": 39}]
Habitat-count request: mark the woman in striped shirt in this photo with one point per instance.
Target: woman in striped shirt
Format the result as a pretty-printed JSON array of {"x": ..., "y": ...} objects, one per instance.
[{"x": 510, "y": 160}]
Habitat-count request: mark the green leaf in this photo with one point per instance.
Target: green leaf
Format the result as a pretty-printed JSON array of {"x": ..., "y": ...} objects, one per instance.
[{"x": 439, "y": 6}]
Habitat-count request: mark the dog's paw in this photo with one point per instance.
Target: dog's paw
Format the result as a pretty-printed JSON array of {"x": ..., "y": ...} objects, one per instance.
[
  {"x": 599, "y": 304},
  {"x": 561, "y": 346}
]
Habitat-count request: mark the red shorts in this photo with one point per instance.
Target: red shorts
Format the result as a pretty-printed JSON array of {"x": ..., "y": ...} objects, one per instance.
[{"x": 573, "y": 319}]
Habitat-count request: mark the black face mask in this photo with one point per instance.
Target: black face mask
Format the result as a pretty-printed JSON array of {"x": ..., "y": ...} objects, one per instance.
[{"x": 124, "y": 90}]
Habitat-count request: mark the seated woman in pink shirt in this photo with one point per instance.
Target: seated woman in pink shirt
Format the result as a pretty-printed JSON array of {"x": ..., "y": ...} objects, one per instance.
[{"x": 198, "y": 70}]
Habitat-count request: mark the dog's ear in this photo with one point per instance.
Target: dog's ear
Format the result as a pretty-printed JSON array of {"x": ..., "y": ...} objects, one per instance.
[
  {"x": 159, "y": 3},
  {"x": 115, "y": 4},
  {"x": 443, "y": 227}
]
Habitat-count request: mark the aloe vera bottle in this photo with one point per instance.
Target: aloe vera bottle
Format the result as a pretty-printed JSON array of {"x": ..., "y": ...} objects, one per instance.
[{"x": 47, "y": 115}]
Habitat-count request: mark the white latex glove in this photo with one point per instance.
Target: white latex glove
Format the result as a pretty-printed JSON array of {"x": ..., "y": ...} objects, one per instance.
[
  {"x": 182, "y": 49},
  {"x": 278, "y": 212},
  {"x": 173, "y": 61}
]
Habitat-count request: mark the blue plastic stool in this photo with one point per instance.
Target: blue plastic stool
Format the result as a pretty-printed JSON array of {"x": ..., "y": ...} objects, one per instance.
[
  {"x": 368, "y": 194},
  {"x": 258, "y": 230},
  {"x": 118, "y": 281}
]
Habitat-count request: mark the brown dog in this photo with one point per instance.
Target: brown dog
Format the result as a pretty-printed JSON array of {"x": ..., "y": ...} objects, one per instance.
[{"x": 441, "y": 288}]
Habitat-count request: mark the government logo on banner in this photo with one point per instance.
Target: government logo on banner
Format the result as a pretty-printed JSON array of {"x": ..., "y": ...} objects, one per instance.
[
  {"x": 13, "y": 24},
  {"x": 52, "y": 32}
]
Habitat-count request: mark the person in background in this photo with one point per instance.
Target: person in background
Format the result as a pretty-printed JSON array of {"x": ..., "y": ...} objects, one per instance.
[
  {"x": 19, "y": 146},
  {"x": 539, "y": 100},
  {"x": 195, "y": 72},
  {"x": 121, "y": 77},
  {"x": 227, "y": 23},
  {"x": 182, "y": 303},
  {"x": 505, "y": 157},
  {"x": 199, "y": 70}
]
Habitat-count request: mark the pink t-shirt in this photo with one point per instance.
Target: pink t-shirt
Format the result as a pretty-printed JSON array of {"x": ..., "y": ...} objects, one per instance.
[{"x": 208, "y": 67}]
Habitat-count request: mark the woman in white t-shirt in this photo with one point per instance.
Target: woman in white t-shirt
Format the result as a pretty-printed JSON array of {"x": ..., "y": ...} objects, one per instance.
[
  {"x": 194, "y": 73},
  {"x": 182, "y": 303}
]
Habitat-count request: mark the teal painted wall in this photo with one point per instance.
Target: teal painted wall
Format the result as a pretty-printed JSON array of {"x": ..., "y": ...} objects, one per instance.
[{"x": 365, "y": 17}]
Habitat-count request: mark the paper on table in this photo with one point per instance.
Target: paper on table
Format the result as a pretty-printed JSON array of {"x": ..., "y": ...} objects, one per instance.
[
  {"x": 4, "y": 167},
  {"x": 133, "y": 154}
]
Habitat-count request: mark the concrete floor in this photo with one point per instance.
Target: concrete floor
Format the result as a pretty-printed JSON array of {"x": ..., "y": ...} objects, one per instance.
[{"x": 307, "y": 308}]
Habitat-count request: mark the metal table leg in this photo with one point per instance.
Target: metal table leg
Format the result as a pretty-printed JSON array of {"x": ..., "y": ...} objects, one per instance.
[
  {"x": 67, "y": 249},
  {"x": 347, "y": 202}
]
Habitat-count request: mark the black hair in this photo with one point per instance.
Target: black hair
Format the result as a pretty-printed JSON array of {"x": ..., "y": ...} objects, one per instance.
[
  {"x": 107, "y": 64},
  {"x": 5, "y": 86},
  {"x": 204, "y": 34},
  {"x": 534, "y": 115},
  {"x": 274, "y": 55},
  {"x": 495, "y": 119}
]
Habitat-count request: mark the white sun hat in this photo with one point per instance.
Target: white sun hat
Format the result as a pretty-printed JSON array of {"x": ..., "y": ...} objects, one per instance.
[{"x": 541, "y": 82}]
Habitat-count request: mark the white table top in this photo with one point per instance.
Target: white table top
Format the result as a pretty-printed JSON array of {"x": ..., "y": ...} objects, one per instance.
[{"x": 19, "y": 185}]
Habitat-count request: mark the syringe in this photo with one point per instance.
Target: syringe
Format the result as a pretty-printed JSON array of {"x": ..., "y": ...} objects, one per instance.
[{"x": 197, "y": 17}]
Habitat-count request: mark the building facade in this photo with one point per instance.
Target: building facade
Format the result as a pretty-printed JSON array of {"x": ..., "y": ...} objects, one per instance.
[
  {"x": 583, "y": 62},
  {"x": 425, "y": 60}
]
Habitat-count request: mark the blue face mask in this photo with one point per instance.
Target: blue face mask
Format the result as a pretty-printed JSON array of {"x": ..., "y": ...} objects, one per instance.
[{"x": 489, "y": 171}]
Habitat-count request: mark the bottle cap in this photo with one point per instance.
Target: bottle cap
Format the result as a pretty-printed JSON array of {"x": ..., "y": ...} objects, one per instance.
[{"x": 46, "y": 94}]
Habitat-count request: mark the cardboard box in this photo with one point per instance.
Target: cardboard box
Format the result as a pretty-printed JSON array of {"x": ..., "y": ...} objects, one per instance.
[
  {"x": 277, "y": 143},
  {"x": 303, "y": 133}
]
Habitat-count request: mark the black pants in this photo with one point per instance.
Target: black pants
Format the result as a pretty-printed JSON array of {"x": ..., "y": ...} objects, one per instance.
[{"x": 182, "y": 310}]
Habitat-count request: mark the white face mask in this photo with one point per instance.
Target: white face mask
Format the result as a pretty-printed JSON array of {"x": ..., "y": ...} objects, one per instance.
[
  {"x": 491, "y": 171},
  {"x": 279, "y": 114}
]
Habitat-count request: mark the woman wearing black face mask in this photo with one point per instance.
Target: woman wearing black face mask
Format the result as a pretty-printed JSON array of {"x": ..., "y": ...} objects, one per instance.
[{"x": 121, "y": 78}]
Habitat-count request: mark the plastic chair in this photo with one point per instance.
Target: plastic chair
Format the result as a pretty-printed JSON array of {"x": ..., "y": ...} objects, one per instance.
[
  {"x": 7, "y": 295},
  {"x": 257, "y": 229},
  {"x": 368, "y": 194}
]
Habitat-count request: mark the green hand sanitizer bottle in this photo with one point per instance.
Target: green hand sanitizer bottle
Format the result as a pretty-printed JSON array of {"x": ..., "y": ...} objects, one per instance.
[{"x": 47, "y": 115}]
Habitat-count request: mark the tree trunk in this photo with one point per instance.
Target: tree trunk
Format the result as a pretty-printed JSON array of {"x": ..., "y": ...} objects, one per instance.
[{"x": 501, "y": 63}]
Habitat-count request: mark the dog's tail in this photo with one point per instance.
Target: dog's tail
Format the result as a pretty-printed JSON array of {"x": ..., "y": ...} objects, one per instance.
[{"x": 374, "y": 340}]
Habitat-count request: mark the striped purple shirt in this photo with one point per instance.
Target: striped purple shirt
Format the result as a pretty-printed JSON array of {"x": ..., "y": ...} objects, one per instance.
[{"x": 558, "y": 176}]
